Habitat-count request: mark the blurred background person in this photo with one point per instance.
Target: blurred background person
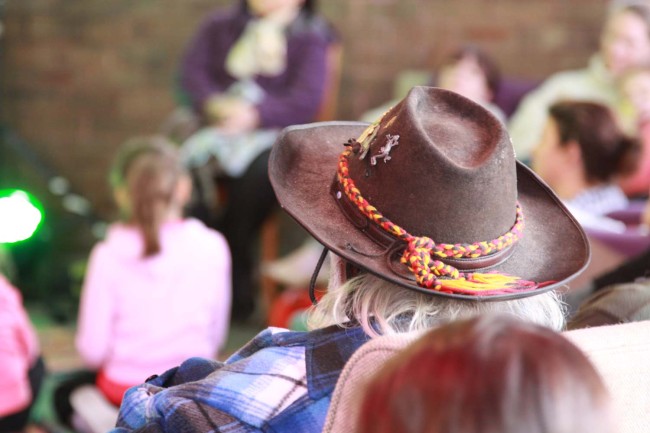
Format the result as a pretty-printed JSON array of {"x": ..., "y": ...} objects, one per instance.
[
  {"x": 250, "y": 71},
  {"x": 624, "y": 43},
  {"x": 491, "y": 374},
  {"x": 157, "y": 289},
  {"x": 467, "y": 70},
  {"x": 581, "y": 155},
  {"x": 636, "y": 87},
  {"x": 23, "y": 370}
]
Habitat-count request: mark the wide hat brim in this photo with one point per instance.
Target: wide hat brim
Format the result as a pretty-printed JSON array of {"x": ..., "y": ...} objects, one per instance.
[{"x": 302, "y": 166}]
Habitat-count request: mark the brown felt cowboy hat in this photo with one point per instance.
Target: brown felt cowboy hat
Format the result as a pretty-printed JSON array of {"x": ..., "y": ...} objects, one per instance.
[{"x": 429, "y": 197}]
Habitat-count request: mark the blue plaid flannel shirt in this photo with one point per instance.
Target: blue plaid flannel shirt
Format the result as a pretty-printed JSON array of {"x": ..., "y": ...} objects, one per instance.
[{"x": 281, "y": 381}]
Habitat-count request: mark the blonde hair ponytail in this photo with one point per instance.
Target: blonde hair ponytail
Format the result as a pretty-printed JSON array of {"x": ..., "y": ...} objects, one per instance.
[{"x": 148, "y": 168}]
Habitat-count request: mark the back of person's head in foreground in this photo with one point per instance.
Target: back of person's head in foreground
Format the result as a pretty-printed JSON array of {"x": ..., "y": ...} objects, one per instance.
[
  {"x": 492, "y": 374},
  {"x": 430, "y": 210},
  {"x": 150, "y": 186}
]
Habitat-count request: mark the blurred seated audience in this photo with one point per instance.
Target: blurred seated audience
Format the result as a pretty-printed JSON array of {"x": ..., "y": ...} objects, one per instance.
[
  {"x": 157, "y": 289},
  {"x": 491, "y": 374},
  {"x": 581, "y": 154},
  {"x": 636, "y": 86},
  {"x": 624, "y": 43},
  {"x": 22, "y": 369},
  {"x": 618, "y": 303},
  {"x": 468, "y": 71},
  {"x": 249, "y": 71}
]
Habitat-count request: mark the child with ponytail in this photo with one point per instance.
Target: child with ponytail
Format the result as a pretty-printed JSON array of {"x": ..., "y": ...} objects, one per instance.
[{"x": 157, "y": 289}]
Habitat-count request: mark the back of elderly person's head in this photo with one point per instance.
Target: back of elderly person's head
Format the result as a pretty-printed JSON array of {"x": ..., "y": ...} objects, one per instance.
[
  {"x": 492, "y": 374},
  {"x": 431, "y": 208},
  {"x": 382, "y": 307}
]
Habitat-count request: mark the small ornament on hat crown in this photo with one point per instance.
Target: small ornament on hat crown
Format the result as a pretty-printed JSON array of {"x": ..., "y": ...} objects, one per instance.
[{"x": 384, "y": 151}]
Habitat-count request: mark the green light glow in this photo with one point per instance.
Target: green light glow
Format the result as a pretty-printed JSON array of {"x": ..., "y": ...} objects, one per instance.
[{"x": 20, "y": 215}]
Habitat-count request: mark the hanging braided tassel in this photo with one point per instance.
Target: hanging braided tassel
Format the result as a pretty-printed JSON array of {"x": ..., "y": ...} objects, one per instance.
[{"x": 427, "y": 270}]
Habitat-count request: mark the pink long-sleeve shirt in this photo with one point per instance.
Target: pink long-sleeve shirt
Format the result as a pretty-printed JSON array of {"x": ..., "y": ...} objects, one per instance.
[
  {"x": 18, "y": 350},
  {"x": 143, "y": 316}
]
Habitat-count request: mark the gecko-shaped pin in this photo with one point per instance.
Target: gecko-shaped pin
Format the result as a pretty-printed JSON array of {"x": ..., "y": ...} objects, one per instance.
[{"x": 384, "y": 151}]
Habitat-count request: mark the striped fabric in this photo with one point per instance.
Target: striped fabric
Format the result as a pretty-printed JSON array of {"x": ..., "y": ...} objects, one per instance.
[{"x": 281, "y": 381}]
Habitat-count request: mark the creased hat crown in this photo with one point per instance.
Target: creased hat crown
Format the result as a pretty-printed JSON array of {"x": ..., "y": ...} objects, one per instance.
[{"x": 451, "y": 174}]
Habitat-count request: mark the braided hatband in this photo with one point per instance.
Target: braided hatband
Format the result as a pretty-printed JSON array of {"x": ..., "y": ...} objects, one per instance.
[{"x": 420, "y": 250}]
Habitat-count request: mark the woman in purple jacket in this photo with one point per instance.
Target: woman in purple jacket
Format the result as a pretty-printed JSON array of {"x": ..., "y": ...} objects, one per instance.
[{"x": 250, "y": 71}]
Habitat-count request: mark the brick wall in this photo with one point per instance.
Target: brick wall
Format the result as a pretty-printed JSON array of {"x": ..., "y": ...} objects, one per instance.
[{"x": 79, "y": 77}]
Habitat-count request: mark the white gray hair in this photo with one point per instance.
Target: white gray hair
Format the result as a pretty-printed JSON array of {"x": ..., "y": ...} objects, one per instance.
[{"x": 382, "y": 307}]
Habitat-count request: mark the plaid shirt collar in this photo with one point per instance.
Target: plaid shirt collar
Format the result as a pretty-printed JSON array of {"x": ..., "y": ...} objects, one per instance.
[{"x": 326, "y": 352}]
